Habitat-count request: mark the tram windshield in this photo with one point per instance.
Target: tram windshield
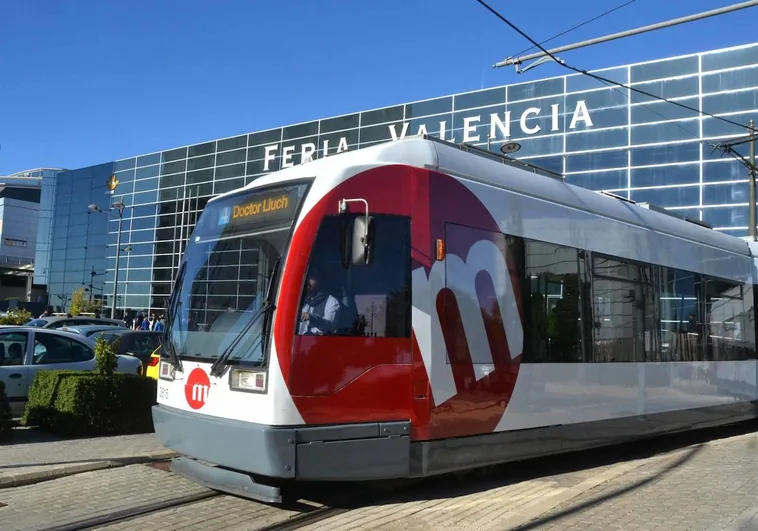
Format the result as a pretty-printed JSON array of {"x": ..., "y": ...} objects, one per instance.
[{"x": 225, "y": 275}]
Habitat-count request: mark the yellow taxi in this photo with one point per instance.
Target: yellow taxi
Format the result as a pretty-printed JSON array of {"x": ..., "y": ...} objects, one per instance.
[{"x": 152, "y": 364}]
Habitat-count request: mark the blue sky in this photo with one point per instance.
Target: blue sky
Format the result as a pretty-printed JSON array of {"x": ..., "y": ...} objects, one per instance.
[{"x": 89, "y": 81}]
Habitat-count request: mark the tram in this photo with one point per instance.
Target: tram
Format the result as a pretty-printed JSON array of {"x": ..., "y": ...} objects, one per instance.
[{"x": 420, "y": 307}]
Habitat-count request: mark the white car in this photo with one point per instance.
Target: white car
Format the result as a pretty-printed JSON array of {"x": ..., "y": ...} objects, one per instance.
[{"x": 26, "y": 350}]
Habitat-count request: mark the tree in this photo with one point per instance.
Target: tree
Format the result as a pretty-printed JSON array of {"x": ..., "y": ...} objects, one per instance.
[
  {"x": 77, "y": 302},
  {"x": 105, "y": 357}
]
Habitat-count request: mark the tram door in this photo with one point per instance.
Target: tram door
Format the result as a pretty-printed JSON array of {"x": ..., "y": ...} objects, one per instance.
[
  {"x": 367, "y": 334},
  {"x": 478, "y": 333}
]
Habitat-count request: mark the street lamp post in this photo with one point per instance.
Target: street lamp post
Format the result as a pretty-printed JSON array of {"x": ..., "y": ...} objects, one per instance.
[{"x": 119, "y": 207}]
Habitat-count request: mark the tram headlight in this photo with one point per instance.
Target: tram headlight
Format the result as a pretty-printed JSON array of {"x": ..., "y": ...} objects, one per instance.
[
  {"x": 166, "y": 371},
  {"x": 247, "y": 380}
]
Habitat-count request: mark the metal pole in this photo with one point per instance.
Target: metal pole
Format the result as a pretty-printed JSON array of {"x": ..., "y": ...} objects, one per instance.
[
  {"x": 185, "y": 212},
  {"x": 118, "y": 255},
  {"x": 628, "y": 33},
  {"x": 173, "y": 244},
  {"x": 751, "y": 182}
]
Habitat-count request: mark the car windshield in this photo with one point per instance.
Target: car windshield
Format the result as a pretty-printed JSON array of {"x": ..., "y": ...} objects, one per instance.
[
  {"x": 227, "y": 267},
  {"x": 38, "y": 323}
]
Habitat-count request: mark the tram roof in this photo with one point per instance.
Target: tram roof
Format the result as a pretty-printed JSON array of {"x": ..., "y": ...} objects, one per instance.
[{"x": 491, "y": 169}]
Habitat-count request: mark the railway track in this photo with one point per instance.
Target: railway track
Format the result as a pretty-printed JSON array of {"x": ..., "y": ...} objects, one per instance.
[
  {"x": 317, "y": 503},
  {"x": 134, "y": 512},
  {"x": 293, "y": 522}
]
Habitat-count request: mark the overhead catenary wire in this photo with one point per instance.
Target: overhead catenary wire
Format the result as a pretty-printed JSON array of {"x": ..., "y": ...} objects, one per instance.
[
  {"x": 577, "y": 26},
  {"x": 628, "y": 33},
  {"x": 603, "y": 79}
]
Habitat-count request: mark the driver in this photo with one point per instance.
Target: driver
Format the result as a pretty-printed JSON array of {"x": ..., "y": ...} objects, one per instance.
[{"x": 319, "y": 313}]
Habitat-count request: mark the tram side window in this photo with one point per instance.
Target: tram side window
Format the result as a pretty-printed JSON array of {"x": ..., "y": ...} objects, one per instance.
[
  {"x": 725, "y": 317},
  {"x": 703, "y": 318},
  {"x": 370, "y": 300},
  {"x": 681, "y": 327},
  {"x": 554, "y": 327},
  {"x": 625, "y": 311},
  {"x": 748, "y": 320}
]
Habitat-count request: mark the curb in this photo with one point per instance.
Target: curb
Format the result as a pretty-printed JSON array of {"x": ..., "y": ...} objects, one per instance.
[{"x": 58, "y": 471}]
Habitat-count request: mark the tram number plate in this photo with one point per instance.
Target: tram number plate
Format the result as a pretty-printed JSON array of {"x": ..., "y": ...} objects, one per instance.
[{"x": 163, "y": 393}]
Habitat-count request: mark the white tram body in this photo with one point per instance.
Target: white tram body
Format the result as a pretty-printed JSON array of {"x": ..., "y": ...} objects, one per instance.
[{"x": 467, "y": 310}]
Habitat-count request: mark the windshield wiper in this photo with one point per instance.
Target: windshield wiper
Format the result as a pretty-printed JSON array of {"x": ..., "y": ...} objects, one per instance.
[
  {"x": 269, "y": 294},
  {"x": 217, "y": 369},
  {"x": 166, "y": 343}
]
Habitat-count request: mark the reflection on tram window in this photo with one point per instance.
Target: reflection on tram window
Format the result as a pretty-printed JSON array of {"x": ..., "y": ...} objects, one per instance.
[
  {"x": 587, "y": 306},
  {"x": 554, "y": 328},
  {"x": 374, "y": 299},
  {"x": 228, "y": 282},
  {"x": 725, "y": 314},
  {"x": 681, "y": 330},
  {"x": 624, "y": 311}
]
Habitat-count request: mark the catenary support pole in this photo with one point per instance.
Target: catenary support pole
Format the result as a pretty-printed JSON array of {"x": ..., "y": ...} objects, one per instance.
[{"x": 629, "y": 33}]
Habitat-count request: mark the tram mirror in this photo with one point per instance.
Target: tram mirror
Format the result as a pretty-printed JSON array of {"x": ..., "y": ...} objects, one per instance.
[{"x": 362, "y": 244}]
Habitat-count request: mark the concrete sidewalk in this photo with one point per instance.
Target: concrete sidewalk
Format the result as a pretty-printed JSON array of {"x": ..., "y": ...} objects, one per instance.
[{"x": 33, "y": 456}]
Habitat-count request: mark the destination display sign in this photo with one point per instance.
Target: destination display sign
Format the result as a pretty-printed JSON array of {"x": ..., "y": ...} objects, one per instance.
[
  {"x": 260, "y": 207},
  {"x": 237, "y": 214}
]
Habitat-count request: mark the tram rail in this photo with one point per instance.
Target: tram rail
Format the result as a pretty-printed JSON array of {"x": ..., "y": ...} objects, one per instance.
[{"x": 315, "y": 503}]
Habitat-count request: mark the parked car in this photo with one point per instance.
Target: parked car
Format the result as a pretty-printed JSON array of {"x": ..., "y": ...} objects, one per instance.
[
  {"x": 59, "y": 322},
  {"x": 90, "y": 330},
  {"x": 137, "y": 343},
  {"x": 25, "y": 351}
]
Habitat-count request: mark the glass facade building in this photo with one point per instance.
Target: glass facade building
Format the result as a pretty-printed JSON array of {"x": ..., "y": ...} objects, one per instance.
[
  {"x": 600, "y": 137},
  {"x": 47, "y": 177}
]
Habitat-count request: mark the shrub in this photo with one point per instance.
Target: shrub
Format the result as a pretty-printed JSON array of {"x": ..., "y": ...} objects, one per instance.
[
  {"x": 77, "y": 302},
  {"x": 94, "y": 306},
  {"x": 105, "y": 356},
  {"x": 5, "y": 415},
  {"x": 17, "y": 316},
  {"x": 86, "y": 403}
]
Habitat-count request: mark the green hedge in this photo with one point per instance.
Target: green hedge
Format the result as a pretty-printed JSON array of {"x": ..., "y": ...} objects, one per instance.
[
  {"x": 86, "y": 403},
  {"x": 6, "y": 429}
]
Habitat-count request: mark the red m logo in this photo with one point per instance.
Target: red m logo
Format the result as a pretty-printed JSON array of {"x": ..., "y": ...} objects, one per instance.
[{"x": 468, "y": 327}]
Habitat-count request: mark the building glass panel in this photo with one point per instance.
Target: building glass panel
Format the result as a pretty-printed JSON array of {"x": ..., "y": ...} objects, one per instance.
[{"x": 600, "y": 137}]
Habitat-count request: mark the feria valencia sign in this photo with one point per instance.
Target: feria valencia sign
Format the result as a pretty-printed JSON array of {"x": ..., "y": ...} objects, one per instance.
[{"x": 499, "y": 129}]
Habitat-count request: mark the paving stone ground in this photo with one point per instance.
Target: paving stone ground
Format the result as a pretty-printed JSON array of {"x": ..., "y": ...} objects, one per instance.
[
  {"x": 224, "y": 512},
  {"x": 73, "y": 498},
  {"x": 33, "y": 455},
  {"x": 708, "y": 487}
]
